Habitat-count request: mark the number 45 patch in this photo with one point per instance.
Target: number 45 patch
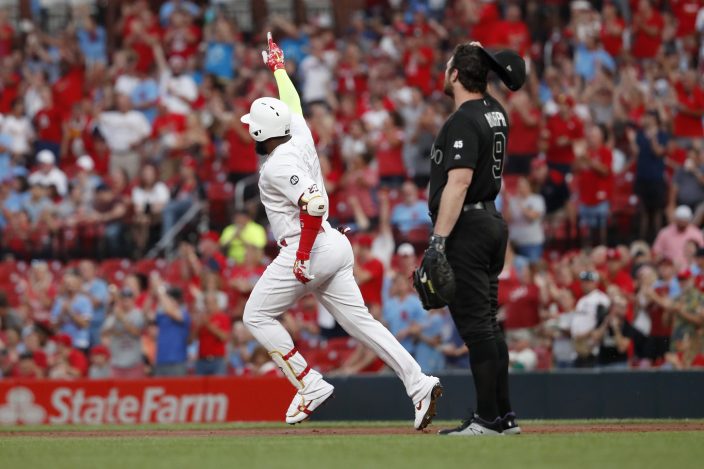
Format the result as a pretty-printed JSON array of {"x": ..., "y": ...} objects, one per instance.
[{"x": 457, "y": 144}]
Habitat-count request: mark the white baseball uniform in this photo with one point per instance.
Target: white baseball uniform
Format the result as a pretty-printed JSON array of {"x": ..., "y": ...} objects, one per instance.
[{"x": 291, "y": 169}]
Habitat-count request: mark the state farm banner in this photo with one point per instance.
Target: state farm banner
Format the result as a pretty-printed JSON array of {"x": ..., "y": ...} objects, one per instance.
[{"x": 157, "y": 400}]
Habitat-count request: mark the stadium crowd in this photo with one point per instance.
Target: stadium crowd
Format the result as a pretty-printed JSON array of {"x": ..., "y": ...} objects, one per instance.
[{"x": 106, "y": 144}]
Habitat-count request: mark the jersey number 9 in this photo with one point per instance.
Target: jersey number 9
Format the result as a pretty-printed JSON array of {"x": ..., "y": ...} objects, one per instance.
[{"x": 498, "y": 154}]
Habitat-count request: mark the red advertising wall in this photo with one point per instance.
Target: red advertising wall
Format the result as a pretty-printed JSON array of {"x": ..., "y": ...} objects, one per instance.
[{"x": 168, "y": 400}]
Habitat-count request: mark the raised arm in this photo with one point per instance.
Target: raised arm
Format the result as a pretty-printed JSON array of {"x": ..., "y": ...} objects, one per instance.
[{"x": 274, "y": 58}]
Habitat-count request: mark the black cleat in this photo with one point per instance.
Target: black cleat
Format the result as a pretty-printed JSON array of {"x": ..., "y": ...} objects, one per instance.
[
  {"x": 509, "y": 424},
  {"x": 476, "y": 426}
]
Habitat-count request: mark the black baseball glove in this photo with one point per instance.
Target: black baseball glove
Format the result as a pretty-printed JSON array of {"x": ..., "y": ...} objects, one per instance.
[{"x": 434, "y": 280}]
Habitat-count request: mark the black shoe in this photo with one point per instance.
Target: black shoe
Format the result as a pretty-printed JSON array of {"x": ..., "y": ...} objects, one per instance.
[
  {"x": 509, "y": 424},
  {"x": 476, "y": 426}
]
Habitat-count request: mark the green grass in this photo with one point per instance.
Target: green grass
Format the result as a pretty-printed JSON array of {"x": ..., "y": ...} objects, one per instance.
[{"x": 662, "y": 450}]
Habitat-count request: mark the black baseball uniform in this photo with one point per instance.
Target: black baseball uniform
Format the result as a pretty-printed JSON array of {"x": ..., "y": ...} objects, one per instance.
[{"x": 475, "y": 137}]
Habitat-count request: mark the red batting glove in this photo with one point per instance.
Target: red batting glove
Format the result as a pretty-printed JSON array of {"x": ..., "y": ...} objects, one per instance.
[
  {"x": 300, "y": 271},
  {"x": 274, "y": 56}
]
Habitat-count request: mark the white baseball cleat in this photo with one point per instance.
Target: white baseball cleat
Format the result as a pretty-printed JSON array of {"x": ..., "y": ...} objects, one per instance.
[
  {"x": 303, "y": 405},
  {"x": 426, "y": 407}
]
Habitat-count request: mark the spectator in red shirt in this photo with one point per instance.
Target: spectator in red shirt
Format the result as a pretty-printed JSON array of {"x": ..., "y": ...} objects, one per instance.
[
  {"x": 485, "y": 21},
  {"x": 524, "y": 303},
  {"x": 388, "y": 147},
  {"x": 612, "y": 28},
  {"x": 647, "y": 31},
  {"x": 9, "y": 86},
  {"x": 352, "y": 71},
  {"x": 595, "y": 180},
  {"x": 513, "y": 32},
  {"x": 525, "y": 120},
  {"x": 212, "y": 328},
  {"x": 563, "y": 131},
  {"x": 26, "y": 367},
  {"x": 417, "y": 63},
  {"x": 686, "y": 12},
  {"x": 690, "y": 109},
  {"x": 48, "y": 126},
  {"x": 242, "y": 161},
  {"x": 68, "y": 362},
  {"x": 7, "y": 35},
  {"x": 69, "y": 89},
  {"x": 181, "y": 36},
  {"x": 617, "y": 274},
  {"x": 369, "y": 273}
]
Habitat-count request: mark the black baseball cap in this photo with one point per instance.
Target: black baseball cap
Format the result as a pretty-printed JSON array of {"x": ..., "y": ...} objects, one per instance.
[{"x": 509, "y": 66}]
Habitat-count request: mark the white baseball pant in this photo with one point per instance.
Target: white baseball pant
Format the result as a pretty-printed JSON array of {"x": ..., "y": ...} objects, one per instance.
[{"x": 331, "y": 263}]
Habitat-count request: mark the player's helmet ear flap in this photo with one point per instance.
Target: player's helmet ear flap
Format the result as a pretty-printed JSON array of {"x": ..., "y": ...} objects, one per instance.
[{"x": 268, "y": 118}]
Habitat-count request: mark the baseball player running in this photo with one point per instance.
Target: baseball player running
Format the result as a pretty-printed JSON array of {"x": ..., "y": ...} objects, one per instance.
[{"x": 313, "y": 258}]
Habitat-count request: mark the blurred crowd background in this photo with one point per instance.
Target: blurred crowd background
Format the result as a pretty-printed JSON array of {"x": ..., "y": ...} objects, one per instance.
[{"x": 130, "y": 227}]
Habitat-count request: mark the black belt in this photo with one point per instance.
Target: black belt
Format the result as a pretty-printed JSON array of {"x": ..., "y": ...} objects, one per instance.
[{"x": 487, "y": 205}]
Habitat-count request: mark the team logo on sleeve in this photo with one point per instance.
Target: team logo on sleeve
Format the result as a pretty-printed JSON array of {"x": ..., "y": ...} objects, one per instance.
[{"x": 293, "y": 180}]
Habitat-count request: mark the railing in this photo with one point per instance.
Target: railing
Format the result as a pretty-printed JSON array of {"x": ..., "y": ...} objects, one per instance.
[
  {"x": 240, "y": 189},
  {"x": 166, "y": 242}
]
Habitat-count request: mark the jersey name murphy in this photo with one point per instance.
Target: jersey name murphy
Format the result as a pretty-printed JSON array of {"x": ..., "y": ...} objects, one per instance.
[{"x": 495, "y": 119}]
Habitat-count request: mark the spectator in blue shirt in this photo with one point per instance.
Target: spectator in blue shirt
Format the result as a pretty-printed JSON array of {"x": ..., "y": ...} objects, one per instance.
[
  {"x": 412, "y": 213},
  {"x": 96, "y": 289},
  {"x": 667, "y": 277},
  {"x": 174, "y": 325},
  {"x": 5, "y": 157},
  {"x": 220, "y": 51},
  {"x": 145, "y": 95},
  {"x": 403, "y": 313},
  {"x": 37, "y": 204},
  {"x": 589, "y": 56},
  {"x": 17, "y": 194},
  {"x": 169, "y": 7},
  {"x": 72, "y": 311},
  {"x": 92, "y": 41},
  {"x": 429, "y": 340}
]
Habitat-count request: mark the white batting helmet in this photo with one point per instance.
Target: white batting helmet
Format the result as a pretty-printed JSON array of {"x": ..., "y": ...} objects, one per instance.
[{"x": 268, "y": 118}]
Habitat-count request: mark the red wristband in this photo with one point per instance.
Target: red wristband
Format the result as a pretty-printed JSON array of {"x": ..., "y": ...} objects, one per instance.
[{"x": 310, "y": 226}]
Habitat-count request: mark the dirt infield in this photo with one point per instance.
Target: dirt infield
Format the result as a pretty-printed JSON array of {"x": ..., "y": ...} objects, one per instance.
[{"x": 311, "y": 430}]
